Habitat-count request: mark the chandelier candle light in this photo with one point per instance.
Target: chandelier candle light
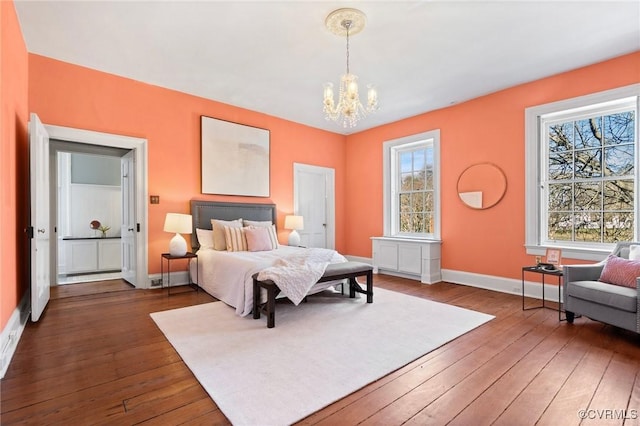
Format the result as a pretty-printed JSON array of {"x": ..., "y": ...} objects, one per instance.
[{"x": 349, "y": 109}]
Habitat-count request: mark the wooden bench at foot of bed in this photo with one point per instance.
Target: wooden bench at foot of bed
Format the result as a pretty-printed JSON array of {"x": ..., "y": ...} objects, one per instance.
[{"x": 334, "y": 272}]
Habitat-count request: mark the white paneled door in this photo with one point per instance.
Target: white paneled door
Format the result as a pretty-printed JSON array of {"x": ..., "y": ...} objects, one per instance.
[
  {"x": 314, "y": 200},
  {"x": 40, "y": 227},
  {"x": 129, "y": 226}
]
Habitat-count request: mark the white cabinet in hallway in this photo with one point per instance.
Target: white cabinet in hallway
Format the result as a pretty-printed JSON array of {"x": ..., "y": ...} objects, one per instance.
[
  {"x": 109, "y": 258},
  {"x": 82, "y": 255},
  {"x": 410, "y": 258}
]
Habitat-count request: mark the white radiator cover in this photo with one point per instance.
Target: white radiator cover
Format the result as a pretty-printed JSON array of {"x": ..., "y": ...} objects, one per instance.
[{"x": 409, "y": 258}]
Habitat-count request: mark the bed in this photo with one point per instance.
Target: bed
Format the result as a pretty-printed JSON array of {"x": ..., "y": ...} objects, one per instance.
[{"x": 227, "y": 275}]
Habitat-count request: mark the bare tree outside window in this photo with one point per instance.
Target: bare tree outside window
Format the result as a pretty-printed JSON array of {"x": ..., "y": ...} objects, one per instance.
[
  {"x": 590, "y": 180},
  {"x": 416, "y": 192}
]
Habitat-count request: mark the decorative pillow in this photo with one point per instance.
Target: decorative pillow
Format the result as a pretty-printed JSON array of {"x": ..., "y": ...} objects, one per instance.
[
  {"x": 235, "y": 238},
  {"x": 634, "y": 252},
  {"x": 219, "y": 241},
  {"x": 273, "y": 235},
  {"x": 258, "y": 238},
  {"x": 620, "y": 271},
  {"x": 257, "y": 223},
  {"x": 205, "y": 238}
]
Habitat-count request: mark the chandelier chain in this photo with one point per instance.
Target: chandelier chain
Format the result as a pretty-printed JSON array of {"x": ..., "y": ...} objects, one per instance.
[{"x": 347, "y": 25}]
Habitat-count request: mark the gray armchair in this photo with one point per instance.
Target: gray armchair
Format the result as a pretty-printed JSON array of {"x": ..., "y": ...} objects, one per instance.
[{"x": 608, "y": 303}]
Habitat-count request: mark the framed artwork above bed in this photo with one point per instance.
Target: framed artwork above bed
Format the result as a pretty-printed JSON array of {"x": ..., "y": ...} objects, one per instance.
[{"x": 235, "y": 158}]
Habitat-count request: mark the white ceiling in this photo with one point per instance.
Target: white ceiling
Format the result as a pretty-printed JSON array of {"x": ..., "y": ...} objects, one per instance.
[{"x": 274, "y": 56}]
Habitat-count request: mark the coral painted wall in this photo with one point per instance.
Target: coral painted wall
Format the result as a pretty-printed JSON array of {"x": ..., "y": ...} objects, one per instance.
[
  {"x": 485, "y": 129},
  {"x": 68, "y": 95},
  {"x": 14, "y": 190}
]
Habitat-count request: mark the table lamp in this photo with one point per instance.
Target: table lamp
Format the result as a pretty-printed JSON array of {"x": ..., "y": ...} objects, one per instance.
[
  {"x": 294, "y": 223},
  {"x": 180, "y": 224}
]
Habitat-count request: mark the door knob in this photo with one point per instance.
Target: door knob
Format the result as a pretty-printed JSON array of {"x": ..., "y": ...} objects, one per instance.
[
  {"x": 130, "y": 229},
  {"x": 41, "y": 230}
]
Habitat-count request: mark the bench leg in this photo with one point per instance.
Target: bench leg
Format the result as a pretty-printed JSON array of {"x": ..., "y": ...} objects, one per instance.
[
  {"x": 352, "y": 287},
  {"x": 256, "y": 299},
  {"x": 271, "y": 308}
]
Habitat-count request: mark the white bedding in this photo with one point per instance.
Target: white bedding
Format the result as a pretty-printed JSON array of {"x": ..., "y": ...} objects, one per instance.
[{"x": 227, "y": 275}]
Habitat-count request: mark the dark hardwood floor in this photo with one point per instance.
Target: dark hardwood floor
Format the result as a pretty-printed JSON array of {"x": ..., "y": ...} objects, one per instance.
[{"x": 96, "y": 357}]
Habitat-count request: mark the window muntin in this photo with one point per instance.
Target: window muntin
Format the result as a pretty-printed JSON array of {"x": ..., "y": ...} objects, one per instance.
[{"x": 589, "y": 195}]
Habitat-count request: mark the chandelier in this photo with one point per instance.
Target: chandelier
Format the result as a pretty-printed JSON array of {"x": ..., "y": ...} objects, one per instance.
[{"x": 349, "y": 110}]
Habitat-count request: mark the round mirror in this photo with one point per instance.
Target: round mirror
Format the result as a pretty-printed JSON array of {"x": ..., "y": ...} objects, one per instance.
[{"x": 482, "y": 185}]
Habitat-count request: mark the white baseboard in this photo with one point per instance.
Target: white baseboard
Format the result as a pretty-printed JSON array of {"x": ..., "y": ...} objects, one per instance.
[
  {"x": 12, "y": 332},
  {"x": 177, "y": 278},
  {"x": 359, "y": 259},
  {"x": 532, "y": 289}
]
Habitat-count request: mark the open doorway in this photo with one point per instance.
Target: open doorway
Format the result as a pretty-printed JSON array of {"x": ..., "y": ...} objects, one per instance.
[
  {"x": 88, "y": 203},
  {"x": 132, "y": 226}
]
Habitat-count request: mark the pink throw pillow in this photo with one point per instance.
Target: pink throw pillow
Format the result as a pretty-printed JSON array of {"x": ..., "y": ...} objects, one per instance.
[
  {"x": 620, "y": 271},
  {"x": 258, "y": 239}
]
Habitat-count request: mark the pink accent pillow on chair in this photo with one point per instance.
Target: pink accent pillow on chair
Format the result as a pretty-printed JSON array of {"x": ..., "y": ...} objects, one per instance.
[{"x": 620, "y": 271}]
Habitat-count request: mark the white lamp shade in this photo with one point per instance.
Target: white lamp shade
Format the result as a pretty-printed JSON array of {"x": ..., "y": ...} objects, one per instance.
[
  {"x": 293, "y": 222},
  {"x": 180, "y": 224}
]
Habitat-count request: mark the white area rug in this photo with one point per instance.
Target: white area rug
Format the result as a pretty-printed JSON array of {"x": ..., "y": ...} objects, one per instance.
[{"x": 317, "y": 353}]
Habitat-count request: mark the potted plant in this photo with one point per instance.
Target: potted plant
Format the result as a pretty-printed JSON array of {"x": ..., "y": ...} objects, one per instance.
[{"x": 104, "y": 229}]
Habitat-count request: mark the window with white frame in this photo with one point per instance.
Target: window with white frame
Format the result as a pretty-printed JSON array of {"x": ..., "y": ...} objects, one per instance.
[
  {"x": 411, "y": 186},
  {"x": 585, "y": 196}
]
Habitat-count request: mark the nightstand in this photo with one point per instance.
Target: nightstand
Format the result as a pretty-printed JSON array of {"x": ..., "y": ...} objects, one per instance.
[{"x": 168, "y": 257}]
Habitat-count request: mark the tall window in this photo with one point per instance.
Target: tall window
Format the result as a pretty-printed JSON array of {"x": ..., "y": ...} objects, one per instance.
[
  {"x": 411, "y": 186},
  {"x": 589, "y": 178},
  {"x": 587, "y": 192}
]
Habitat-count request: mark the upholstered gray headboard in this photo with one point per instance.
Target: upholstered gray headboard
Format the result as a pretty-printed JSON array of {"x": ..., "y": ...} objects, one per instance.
[{"x": 203, "y": 211}]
